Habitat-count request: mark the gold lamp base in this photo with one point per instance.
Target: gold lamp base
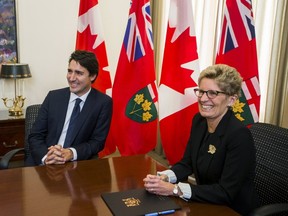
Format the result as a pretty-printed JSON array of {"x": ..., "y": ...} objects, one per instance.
[
  {"x": 13, "y": 112},
  {"x": 14, "y": 105}
]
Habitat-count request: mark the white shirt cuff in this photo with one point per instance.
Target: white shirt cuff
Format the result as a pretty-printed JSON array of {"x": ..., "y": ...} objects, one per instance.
[
  {"x": 186, "y": 190},
  {"x": 74, "y": 154},
  {"x": 43, "y": 160},
  {"x": 171, "y": 175}
]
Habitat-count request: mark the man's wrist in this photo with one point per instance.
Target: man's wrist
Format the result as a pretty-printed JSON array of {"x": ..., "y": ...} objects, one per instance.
[
  {"x": 74, "y": 153},
  {"x": 71, "y": 155}
]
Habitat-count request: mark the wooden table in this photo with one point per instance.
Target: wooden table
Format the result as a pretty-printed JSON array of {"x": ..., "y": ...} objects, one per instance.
[{"x": 75, "y": 188}]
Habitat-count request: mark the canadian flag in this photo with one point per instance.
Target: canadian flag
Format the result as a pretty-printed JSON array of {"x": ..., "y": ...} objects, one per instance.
[
  {"x": 90, "y": 37},
  {"x": 179, "y": 76}
]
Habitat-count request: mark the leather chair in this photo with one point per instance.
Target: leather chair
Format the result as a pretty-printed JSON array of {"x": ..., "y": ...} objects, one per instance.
[
  {"x": 271, "y": 180},
  {"x": 31, "y": 115}
]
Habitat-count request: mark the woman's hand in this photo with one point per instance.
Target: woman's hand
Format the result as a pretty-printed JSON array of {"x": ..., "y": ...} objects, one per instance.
[{"x": 154, "y": 184}]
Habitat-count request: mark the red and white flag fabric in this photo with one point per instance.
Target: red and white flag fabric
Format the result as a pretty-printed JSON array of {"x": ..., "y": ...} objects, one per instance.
[
  {"x": 179, "y": 77},
  {"x": 237, "y": 48},
  {"x": 135, "y": 96},
  {"x": 90, "y": 37}
]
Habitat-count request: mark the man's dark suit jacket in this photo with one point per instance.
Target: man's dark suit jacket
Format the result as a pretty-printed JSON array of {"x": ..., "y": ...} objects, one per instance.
[
  {"x": 90, "y": 131},
  {"x": 227, "y": 176}
]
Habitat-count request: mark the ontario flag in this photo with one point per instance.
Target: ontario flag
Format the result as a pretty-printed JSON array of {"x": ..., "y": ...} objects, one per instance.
[
  {"x": 179, "y": 77},
  {"x": 90, "y": 37},
  {"x": 135, "y": 96},
  {"x": 237, "y": 48}
]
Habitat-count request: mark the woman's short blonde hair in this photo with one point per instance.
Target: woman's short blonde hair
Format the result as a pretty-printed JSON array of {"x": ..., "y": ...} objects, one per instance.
[{"x": 227, "y": 78}]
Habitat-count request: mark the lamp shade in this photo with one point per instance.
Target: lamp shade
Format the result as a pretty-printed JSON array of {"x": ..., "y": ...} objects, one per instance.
[{"x": 15, "y": 71}]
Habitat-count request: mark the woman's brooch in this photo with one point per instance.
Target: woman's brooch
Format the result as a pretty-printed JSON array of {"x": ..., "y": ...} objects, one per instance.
[{"x": 212, "y": 149}]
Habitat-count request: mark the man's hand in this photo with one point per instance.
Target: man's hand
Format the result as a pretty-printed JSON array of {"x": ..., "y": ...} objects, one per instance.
[
  {"x": 67, "y": 154},
  {"x": 58, "y": 155}
]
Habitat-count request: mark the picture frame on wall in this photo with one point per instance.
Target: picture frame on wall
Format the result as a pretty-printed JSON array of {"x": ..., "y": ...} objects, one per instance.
[{"x": 8, "y": 32}]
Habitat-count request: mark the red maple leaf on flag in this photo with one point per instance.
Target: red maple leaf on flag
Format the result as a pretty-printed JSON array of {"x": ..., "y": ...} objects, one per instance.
[
  {"x": 180, "y": 71},
  {"x": 178, "y": 75},
  {"x": 90, "y": 37}
]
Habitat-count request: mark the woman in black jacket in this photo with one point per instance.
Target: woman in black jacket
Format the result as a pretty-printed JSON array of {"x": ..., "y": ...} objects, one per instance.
[{"x": 220, "y": 151}]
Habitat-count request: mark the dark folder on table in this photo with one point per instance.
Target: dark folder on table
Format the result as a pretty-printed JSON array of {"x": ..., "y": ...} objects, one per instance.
[{"x": 138, "y": 202}]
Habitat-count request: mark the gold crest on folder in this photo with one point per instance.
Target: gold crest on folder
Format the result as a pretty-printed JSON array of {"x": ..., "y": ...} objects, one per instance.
[{"x": 131, "y": 202}]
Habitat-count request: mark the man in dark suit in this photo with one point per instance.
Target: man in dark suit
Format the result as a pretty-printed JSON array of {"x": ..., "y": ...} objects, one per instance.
[{"x": 48, "y": 141}]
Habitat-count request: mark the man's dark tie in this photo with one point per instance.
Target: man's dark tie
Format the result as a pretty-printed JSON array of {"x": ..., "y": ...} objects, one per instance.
[{"x": 74, "y": 115}]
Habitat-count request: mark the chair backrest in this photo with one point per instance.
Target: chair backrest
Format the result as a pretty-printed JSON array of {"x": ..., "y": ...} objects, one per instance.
[
  {"x": 31, "y": 115},
  {"x": 271, "y": 180}
]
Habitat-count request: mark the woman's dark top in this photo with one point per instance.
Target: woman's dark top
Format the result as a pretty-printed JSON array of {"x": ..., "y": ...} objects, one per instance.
[{"x": 223, "y": 163}]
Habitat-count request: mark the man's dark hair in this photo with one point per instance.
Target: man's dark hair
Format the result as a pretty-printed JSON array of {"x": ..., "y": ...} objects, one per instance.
[{"x": 86, "y": 59}]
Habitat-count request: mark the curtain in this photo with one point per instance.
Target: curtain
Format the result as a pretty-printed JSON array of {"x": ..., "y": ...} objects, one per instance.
[{"x": 277, "y": 88}]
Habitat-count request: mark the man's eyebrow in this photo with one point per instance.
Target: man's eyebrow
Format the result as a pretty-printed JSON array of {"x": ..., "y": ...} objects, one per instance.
[
  {"x": 79, "y": 71},
  {"x": 76, "y": 71}
]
